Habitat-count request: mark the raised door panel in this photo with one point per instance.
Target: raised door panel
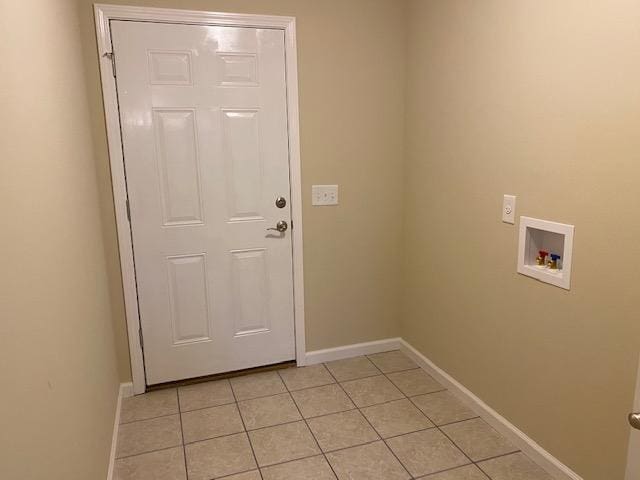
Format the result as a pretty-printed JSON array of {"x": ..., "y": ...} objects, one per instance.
[
  {"x": 250, "y": 294},
  {"x": 243, "y": 164},
  {"x": 170, "y": 67},
  {"x": 188, "y": 298},
  {"x": 177, "y": 154}
]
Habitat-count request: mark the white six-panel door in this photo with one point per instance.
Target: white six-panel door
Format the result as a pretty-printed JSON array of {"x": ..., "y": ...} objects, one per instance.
[{"x": 204, "y": 129}]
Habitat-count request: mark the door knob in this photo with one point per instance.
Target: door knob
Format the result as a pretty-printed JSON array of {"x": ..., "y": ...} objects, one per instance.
[
  {"x": 634, "y": 420},
  {"x": 281, "y": 226}
]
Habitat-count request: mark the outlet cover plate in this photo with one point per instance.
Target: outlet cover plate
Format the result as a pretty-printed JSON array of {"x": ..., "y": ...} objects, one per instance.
[
  {"x": 509, "y": 209},
  {"x": 324, "y": 194}
]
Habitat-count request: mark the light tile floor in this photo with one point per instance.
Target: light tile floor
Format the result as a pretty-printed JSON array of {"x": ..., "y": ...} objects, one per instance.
[{"x": 367, "y": 418}]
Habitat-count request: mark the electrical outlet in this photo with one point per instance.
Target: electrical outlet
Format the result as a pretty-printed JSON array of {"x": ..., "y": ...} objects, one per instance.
[
  {"x": 324, "y": 195},
  {"x": 509, "y": 209}
]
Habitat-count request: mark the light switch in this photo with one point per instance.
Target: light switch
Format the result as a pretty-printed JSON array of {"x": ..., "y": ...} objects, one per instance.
[
  {"x": 324, "y": 194},
  {"x": 509, "y": 209}
]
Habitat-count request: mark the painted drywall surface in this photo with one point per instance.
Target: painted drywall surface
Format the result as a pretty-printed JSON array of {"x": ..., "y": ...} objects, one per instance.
[
  {"x": 541, "y": 100},
  {"x": 633, "y": 459},
  {"x": 57, "y": 360},
  {"x": 351, "y": 81}
]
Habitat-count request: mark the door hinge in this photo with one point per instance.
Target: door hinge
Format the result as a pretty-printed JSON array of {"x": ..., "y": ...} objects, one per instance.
[
  {"x": 128, "y": 211},
  {"x": 141, "y": 339},
  {"x": 112, "y": 57}
]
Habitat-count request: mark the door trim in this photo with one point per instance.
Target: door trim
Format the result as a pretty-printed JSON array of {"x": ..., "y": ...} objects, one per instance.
[{"x": 103, "y": 15}]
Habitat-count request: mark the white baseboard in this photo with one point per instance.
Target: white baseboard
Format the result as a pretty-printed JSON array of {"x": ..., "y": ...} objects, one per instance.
[
  {"x": 354, "y": 350},
  {"x": 538, "y": 454},
  {"x": 125, "y": 390}
]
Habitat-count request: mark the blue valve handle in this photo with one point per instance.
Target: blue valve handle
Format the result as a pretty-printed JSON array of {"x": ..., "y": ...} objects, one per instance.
[{"x": 555, "y": 257}]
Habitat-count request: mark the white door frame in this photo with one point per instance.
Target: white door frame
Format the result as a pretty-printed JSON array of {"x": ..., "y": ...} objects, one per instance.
[{"x": 103, "y": 15}]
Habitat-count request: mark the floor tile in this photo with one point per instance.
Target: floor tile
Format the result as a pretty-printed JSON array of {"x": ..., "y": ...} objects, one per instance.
[
  {"x": 203, "y": 395},
  {"x": 322, "y": 400},
  {"x": 161, "y": 465},
  {"x": 252, "y": 475},
  {"x": 283, "y": 443},
  {"x": 394, "y": 361},
  {"x": 268, "y": 411},
  {"x": 426, "y": 452},
  {"x": 513, "y": 467},
  {"x": 313, "y": 468},
  {"x": 148, "y": 435},
  {"x": 414, "y": 382},
  {"x": 352, "y": 368},
  {"x": 149, "y": 405},
  {"x": 219, "y": 457},
  {"x": 211, "y": 422},
  {"x": 443, "y": 408},
  {"x": 257, "y": 385},
  {"x": 477, "y": 439},
  {"x": 373, "y": 461},
  {"x": 396, "y": 418},
  {"x": 469, "y": 472},
  {"x": 371, "y": 390},
  {"x": 306, "y": 377},
  {"x": 342, "y": 430}
]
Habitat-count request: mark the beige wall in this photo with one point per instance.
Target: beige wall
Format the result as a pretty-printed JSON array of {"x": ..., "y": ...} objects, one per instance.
[
  {"x": 351, "y": 80},
  {"x": 57, "y": 361},
  {"x": 542, "y": 100}
]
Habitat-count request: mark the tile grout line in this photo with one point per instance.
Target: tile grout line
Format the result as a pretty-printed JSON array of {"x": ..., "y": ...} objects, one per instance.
[
  {"x": 152, "y": 418},
  {"x": 307, "y": 423},
  {"x": 455, "y": 444},
  {"x": 272, "y": 394},
  {"x": 367, "y": 420},
  {"x": 500, "y": 456},
  {"x": 184, "y": 447},
  {"x": 149, "y": 451},
  {"x": 431, "y": 420},
  {"x": 246, "y": 432},
  {"x": 451, "y": 469},
  {"x": 238, "y": 473}
]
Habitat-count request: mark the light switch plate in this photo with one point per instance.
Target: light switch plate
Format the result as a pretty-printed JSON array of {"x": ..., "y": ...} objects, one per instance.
[
  {"x": 509, "y": 209},
  {"x": 324, "y": 194}
]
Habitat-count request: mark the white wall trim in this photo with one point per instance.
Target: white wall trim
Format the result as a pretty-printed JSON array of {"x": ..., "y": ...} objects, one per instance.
[
  {"x": 538, "y": 454},
  {"x": 103, "y": 15},
  {"x": 125, "y": 390},
  {"x": 354, "y": 350}
]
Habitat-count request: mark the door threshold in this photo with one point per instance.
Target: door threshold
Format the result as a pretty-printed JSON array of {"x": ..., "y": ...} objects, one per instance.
[{"x": 221, "y": 376}]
